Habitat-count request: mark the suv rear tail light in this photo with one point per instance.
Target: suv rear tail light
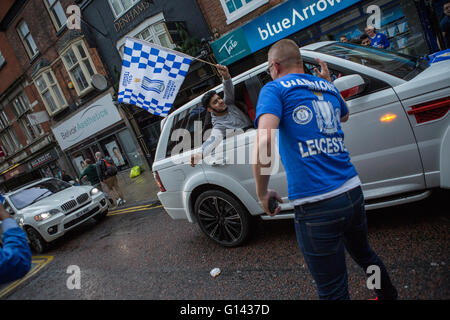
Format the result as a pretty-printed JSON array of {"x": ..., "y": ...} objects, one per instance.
[
  {"x": 158, "y": 181},
  {"x": 432, "y": 110}
]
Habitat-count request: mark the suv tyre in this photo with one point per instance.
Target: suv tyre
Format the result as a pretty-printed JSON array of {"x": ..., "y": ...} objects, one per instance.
[
  {"x": 37, "y": 243},
  {"x": 222, "y": 218}
]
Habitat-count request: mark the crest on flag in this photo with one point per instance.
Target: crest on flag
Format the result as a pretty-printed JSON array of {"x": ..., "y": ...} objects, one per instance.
[{"x": 151, "y": 75}]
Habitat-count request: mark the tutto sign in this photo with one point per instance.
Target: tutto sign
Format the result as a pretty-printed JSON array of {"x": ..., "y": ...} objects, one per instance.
[
  {"x": 276, "y": 24},
  {"x": 98, "y": 116}
]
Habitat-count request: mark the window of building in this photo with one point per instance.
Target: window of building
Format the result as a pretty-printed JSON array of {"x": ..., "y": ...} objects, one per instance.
[
  {"x": 235, "y": 9},
  {"x": 10, "y": 142},
  {"x": 156, "y": 33},
  {"x": 21, "y": 104},
  {"x": 27, "y": 39},
  {"x": 3, "y": 120},
  {"x": 56, "y": 13},
  {"x": 152, "y": 30},
  {"x": 121, "y": 6},
  {"x": 79, "y": 65},
  {"x": 2, "y": 59},
  {"x": 50, "y": 92},
  {"x": 31, "y": 131}
]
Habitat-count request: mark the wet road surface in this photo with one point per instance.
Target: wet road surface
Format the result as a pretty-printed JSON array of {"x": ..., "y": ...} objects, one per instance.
[{"x": 141, "y": 253}]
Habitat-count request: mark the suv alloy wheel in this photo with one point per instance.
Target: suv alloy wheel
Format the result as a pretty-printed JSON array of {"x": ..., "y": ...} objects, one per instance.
[{"x": 222, "y": 218}]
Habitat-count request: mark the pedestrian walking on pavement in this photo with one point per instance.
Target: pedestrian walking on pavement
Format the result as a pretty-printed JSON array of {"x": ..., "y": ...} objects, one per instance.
[
  {"x": 90, "y": 171},
  {"x": 107, "y": 173},
  {"x": 323, "y": 184}
]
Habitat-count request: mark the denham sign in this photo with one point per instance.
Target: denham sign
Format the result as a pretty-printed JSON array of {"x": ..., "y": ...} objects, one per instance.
[{"x": 276, "y": 24}]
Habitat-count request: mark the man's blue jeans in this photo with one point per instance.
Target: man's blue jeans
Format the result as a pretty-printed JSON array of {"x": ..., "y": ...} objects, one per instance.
[{"x": 324, "y": 229}]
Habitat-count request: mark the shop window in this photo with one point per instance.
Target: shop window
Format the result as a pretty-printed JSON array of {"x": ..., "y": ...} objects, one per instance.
[
  {"x": 79, "y": 65},
  {"x": 27, "y": 39},
  {"x": 119, "y": 7},
  {"x": 235, "y": 9},
  {"x": 57, "y": 14},
  {"x": 111, "y": 148},
  {"x": 50, "y": 91},
  {"x": 129, "y": 148},
  {"x": 340, "y": 19}
]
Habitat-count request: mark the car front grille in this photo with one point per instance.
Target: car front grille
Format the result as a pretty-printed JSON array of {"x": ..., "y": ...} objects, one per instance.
[
  {"x": 69, "y": 205},
  {"x": 84, "y": 197},
  {"x": 84, "y": 216}
]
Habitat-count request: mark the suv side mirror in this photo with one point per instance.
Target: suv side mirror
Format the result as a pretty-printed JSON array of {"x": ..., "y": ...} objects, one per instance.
[{"x": 350, "y": 86}]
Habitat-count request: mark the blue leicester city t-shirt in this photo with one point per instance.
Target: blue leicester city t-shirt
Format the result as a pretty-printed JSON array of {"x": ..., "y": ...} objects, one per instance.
[
  {"x": 379, "y": 41},
  {"x": 311, "y": 141}
]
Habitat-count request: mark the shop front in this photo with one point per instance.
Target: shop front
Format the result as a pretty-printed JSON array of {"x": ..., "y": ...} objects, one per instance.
[
  {"x": 98, "y": 128},
  {"x": 308, "y": 21},
  {"x": 46, "y": 164},
  {"x": 43, "y": 160}
]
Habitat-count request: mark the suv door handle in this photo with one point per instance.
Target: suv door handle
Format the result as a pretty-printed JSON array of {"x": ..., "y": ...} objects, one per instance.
[{"x": 221, "y": 162}]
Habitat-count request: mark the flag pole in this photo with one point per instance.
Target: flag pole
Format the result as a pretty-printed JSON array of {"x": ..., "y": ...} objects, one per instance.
[{"x": 212, "y": 64}]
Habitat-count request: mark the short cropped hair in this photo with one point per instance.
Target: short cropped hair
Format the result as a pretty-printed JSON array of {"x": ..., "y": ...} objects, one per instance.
[{"x": 207, "y": 98}]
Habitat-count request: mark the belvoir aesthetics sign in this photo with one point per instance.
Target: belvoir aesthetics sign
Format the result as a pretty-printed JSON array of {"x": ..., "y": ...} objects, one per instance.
[
  {"x": 96, "y": 117},
  {"x": 276, "y": 24}
]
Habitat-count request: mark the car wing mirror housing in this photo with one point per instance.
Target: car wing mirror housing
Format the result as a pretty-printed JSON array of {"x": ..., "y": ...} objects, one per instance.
[{"x": 350, "y": 86}]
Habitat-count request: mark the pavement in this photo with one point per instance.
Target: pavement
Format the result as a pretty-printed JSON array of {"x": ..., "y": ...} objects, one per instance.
[{"x": 139, "y": 190}]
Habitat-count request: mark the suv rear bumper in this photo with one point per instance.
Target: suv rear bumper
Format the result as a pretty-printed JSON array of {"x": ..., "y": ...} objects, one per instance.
[{"x": 173, "y": 203}]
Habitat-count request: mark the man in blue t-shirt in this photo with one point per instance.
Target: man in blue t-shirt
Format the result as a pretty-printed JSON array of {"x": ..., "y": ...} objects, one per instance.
[
  {"x": 15, "y": 256},
  {"x": 322, "y": 182},
  {"x": 377, "y": 40}
]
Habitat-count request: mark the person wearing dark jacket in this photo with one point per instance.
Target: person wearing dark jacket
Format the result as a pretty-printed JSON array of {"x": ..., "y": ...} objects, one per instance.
[
  {"x": 65, "y": 176},
  {"x": 91, "y": 173},
  {"x": 15, "y": 256}
]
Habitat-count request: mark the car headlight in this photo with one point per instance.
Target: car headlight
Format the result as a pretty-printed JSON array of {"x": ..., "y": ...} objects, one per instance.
[
  {"x": 94, "y": 191},
  {"x": 45, "y": 215}
]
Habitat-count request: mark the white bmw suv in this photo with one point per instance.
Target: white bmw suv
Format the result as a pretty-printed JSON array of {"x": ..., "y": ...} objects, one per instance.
[
  {"x": 47, "y": 208},
  {"x": 398, "y": 136}
]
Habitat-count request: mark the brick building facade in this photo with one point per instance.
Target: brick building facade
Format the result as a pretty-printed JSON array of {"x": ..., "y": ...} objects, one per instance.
[
  {"x": 215, "y": 15},
  {"x": 47, "y": 70}
]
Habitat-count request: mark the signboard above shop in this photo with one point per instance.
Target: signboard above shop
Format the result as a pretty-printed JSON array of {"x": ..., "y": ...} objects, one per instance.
[
  {"x": 86, "y": 123},
  {"x": 276, "y": 24}
]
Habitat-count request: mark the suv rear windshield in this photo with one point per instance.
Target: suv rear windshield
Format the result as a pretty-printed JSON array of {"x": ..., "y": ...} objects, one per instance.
[
  {"x": 37, "y": 192},
  {"x": 396, "y": 64}
]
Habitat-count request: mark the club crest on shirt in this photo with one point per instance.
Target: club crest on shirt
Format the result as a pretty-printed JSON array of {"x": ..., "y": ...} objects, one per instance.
[
  {"x": 302, "y": 115},
  {"x": 326, "y": 117}
]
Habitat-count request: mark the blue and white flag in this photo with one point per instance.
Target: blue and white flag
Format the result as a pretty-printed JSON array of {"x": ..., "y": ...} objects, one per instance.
[{"x": 151, "y": 75}]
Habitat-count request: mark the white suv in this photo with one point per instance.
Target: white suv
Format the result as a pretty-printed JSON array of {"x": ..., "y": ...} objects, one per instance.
[
  {"x": 398, "y": 136},
  {"x": 47, "y": 208}
]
